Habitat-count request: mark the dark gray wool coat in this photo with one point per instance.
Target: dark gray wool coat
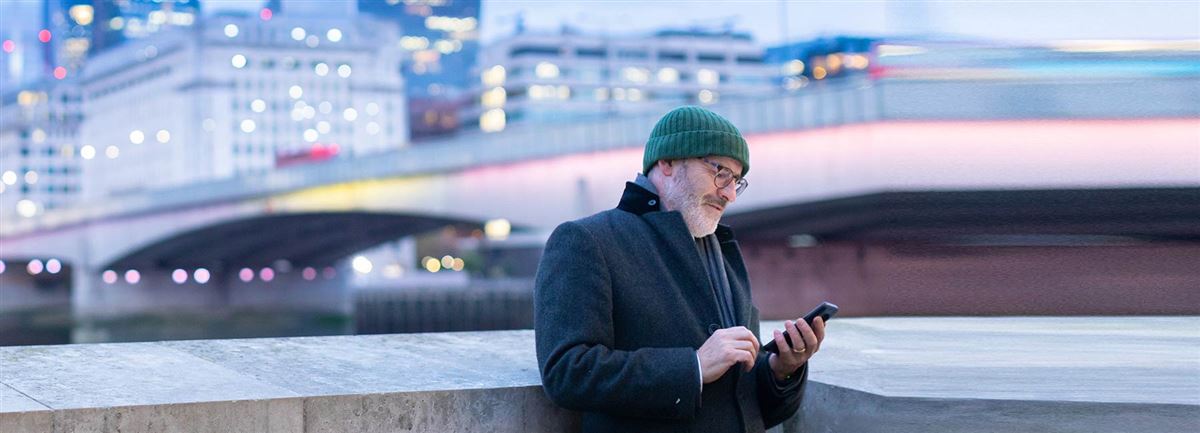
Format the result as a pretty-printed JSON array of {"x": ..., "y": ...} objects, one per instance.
[{"x": 621, "y": 304}]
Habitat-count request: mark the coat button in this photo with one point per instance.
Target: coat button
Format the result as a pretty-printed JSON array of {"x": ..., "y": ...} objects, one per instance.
[
  {"x": 652, "y": 202},
  {"x": 712, "y": 328}
]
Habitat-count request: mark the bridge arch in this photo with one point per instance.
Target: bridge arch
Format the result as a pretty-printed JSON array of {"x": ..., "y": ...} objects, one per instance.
[{"x": 302, "y": 239}]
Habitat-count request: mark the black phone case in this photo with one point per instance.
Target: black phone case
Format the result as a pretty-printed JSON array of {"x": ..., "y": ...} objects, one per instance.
[{"x": 826, "y": 310}]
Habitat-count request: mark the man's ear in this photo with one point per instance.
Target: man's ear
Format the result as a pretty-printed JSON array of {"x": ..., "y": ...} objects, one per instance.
[{"x": 665, "y": 166}]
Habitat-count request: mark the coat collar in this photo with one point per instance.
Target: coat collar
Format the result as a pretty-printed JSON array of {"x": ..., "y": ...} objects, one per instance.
[
  {"x": 680, "y": 245},
  {"x": 641, "y": 201}
]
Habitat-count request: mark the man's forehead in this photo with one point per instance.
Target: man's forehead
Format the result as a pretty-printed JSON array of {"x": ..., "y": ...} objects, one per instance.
[{"x": 728, "y": 162}]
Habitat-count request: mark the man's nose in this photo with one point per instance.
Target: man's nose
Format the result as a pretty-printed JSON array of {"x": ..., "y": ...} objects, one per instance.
[{"x": 729, "y": 192}]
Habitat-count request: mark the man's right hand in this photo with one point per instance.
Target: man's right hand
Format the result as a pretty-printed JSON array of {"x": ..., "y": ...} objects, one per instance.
[{"x": 725, "y": 348}]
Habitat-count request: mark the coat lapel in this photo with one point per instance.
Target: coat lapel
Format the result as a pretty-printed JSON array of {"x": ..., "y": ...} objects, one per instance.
[
  {"x": 684, "y": 261},
  {"x": 741, "y": 296},
  {"x": 736, "y": 269}
]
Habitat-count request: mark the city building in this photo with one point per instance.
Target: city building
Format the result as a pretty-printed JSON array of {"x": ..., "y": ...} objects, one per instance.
[
  {"x": 115, "y": 21},
  {"x": 441, "y": 38},
  {"x": 39, "y": 154},
  {"x": 570, "y": 76},
  {"x": 241, "y": 93},
  {"x": 21, "y": 51},
  {"x": 73, "y": 30},
  {"x": 53, "y": 38},
  {"x": 802, "y": 63}
]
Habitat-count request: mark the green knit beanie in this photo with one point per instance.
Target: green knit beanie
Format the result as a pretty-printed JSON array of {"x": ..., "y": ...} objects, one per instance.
[{"x": 690, "y": 132}]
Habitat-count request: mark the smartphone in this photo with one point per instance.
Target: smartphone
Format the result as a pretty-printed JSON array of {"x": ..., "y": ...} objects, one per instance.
[{"x": 826, "y": 310}]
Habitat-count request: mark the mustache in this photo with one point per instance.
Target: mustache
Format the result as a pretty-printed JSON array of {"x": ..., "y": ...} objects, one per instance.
[{"x": 718, "y": 201}]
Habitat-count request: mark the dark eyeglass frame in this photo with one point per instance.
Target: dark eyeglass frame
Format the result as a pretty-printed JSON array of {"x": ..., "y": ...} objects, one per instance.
[{"x": 725, "y": 176}]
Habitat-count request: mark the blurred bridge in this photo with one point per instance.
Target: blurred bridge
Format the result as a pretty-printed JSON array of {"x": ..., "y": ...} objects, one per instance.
[{"x": 854, "y": 168}]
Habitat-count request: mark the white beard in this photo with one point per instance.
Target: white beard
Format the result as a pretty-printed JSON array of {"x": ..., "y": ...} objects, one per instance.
[{"x": 683, "y": 198}]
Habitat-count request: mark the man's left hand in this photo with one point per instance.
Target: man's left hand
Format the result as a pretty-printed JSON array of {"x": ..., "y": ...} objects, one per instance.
[{"x": 791, "y": 358}]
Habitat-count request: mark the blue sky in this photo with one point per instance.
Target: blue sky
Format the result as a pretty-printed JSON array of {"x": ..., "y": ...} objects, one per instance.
[{"x": 1012, "y": 20}]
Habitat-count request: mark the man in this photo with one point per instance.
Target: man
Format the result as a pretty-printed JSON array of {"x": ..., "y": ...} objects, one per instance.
[{"x": 643, "y": 314}]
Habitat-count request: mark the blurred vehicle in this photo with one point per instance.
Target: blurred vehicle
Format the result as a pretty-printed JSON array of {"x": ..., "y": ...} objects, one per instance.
[{"x": 317, "y": 153}]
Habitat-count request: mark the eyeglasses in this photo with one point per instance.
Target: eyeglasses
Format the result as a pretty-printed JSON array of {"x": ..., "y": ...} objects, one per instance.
[{"x": 725, "y": 176}]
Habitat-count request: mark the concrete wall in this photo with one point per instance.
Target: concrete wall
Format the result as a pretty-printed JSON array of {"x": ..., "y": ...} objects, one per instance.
[
  {"x": 871, "y": 375},
  {"x": 837, "y": 409},
  {"x": 504, "y": 410},
  {"x": 387, "y": 383}
]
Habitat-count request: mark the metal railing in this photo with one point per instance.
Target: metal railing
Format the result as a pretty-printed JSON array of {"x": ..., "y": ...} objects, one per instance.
[{"x": 484, "y": 305}]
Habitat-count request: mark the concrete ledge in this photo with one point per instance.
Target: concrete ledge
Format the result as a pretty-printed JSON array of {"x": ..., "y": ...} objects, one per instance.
[
  {"x": 1004, "y": 374},
  {"x": 271, "y": 416},
  {"x": 500, "y": 410},
  {"x": 894, "y": 375},
  {"x": 377, "y": 383},
  {"x": 835, "y": 409}
]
